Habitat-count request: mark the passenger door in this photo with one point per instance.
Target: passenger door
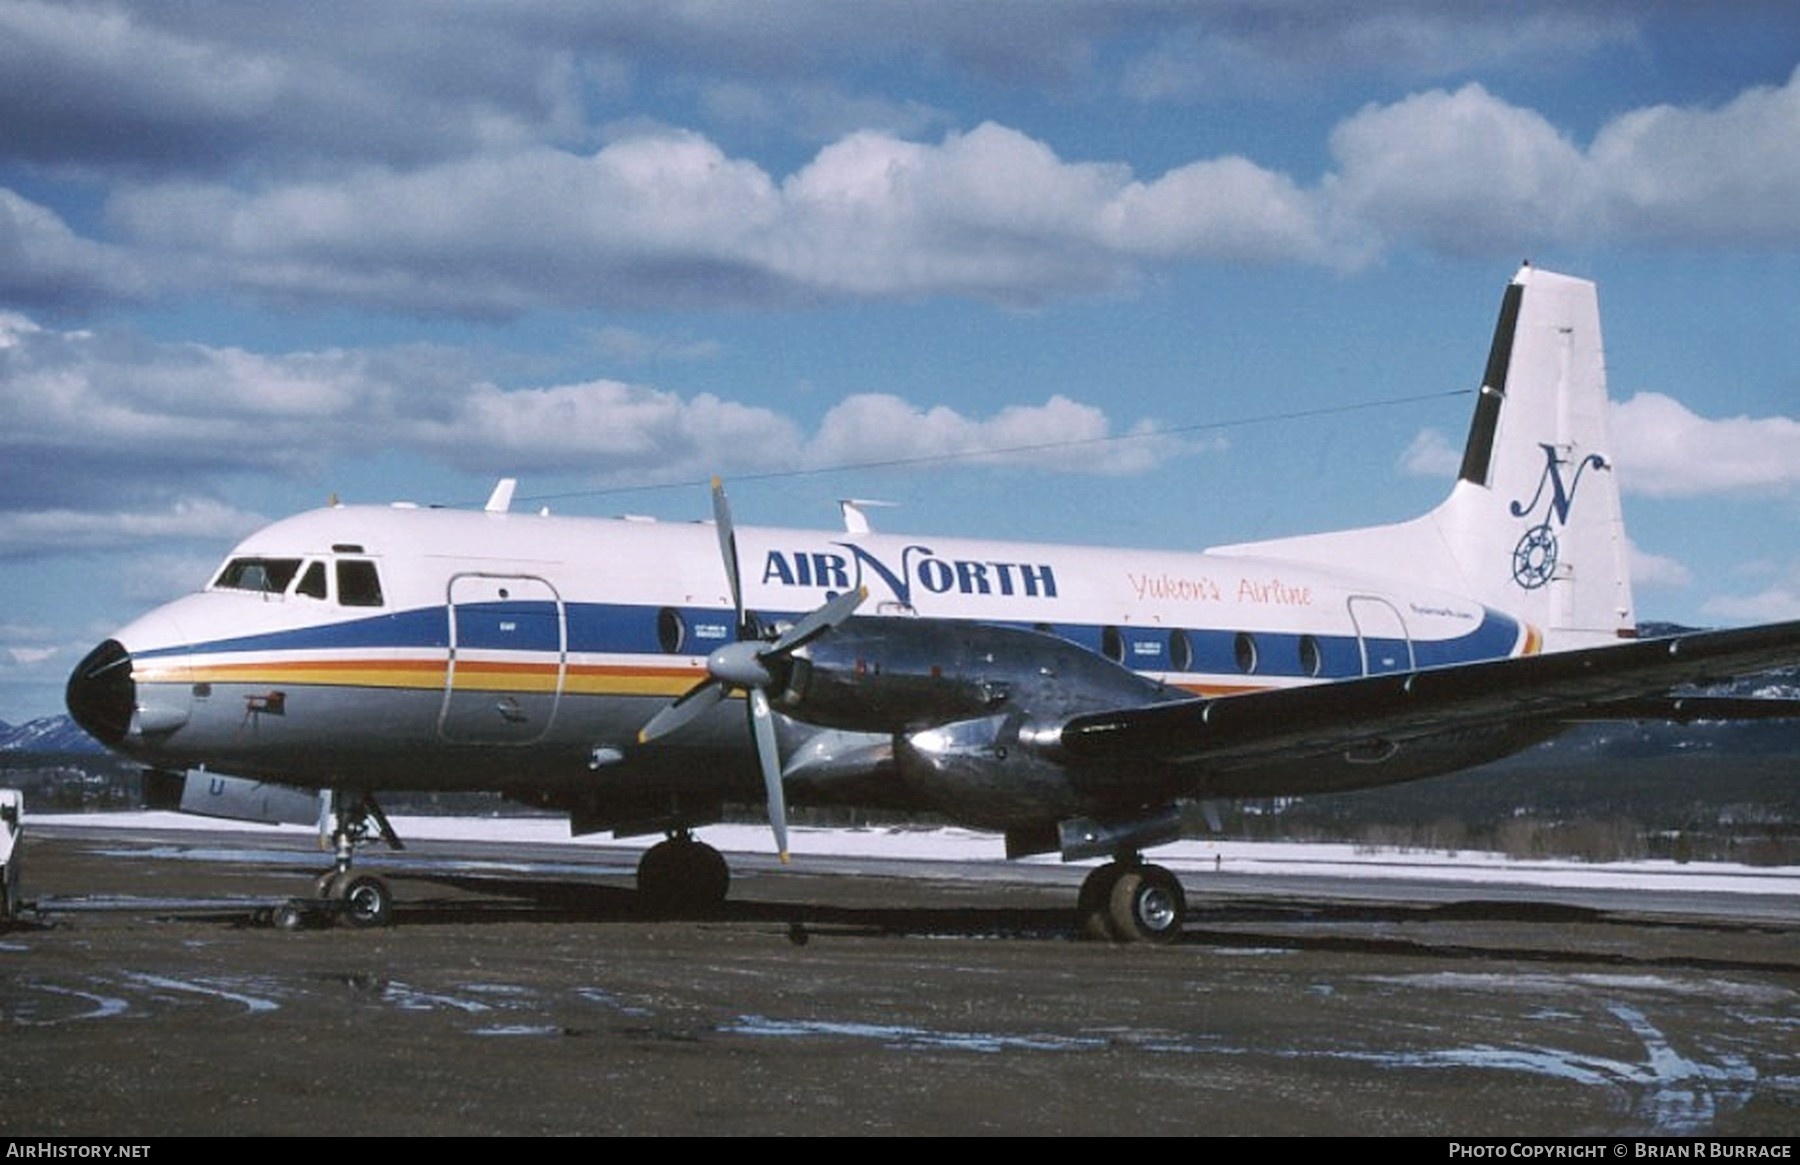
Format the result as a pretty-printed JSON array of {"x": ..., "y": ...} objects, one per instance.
[{"x": 508, "y": 659}]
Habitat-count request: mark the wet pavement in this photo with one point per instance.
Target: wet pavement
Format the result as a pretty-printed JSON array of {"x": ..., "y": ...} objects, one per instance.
[{"x": 521, "y": 992}]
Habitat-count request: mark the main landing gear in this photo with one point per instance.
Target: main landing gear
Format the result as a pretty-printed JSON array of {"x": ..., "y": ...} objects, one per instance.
[
  {"x": 1130, "y": 901},
  {"x": 682, "y": 877},
  {"x": 358, "y": 900}
]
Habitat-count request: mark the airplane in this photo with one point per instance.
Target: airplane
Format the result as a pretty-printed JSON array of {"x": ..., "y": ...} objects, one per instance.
[{"x": 640, "y": 675}]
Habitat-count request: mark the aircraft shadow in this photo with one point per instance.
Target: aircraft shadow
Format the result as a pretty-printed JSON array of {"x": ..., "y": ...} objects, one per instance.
[{"x": 1298, "y": 923}]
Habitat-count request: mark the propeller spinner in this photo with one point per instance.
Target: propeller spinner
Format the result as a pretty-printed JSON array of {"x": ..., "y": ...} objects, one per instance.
[{"x": 754, "y": 666}]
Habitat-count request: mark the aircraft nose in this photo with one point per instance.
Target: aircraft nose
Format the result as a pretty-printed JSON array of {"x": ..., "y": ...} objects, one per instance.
[{"x": 102, "y": 695}]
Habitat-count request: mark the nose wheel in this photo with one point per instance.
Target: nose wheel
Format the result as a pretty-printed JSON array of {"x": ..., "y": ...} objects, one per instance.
[
  {"x": 358, "y": 900},
  {"x": 1131, "y": 901}
]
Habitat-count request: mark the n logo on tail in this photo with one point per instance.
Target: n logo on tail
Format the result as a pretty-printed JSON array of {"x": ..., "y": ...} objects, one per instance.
[{"x": 1534, "y": 558}]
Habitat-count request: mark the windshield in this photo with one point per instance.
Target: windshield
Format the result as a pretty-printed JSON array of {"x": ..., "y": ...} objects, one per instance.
[{"x": 264, "y": 575}]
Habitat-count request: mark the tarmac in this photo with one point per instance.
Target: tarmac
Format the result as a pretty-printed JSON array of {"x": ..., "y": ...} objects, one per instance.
[{"x": 521, "y": 991}]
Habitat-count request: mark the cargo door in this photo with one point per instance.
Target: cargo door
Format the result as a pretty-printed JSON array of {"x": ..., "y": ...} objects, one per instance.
[{"x": 1381, "y": 635}]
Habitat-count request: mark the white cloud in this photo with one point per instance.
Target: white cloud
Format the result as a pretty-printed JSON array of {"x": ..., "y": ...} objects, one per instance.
[
  {"x": 1458, "y": 172},
  {"x": 1431, "y": 454},
  {"x": 1666, "y": 450},
  {"x": 1656, "y": 570},
  {"x": 990, "y": 213},
  {"x": 669, "y": 218},
  {"x": 605, "y": 429},
  {"x": 1775, "y": 596},
  {"x": 1466, "y": 172},
  {"x": 1060, "y": 435},
  {"x": 43, "y": 263},
  {"x": 1730, "y": 175},
  {"x": 40, "y": 532},
  {"x": 203, "y": 417},
  {"x": 1776, "y": 604}
]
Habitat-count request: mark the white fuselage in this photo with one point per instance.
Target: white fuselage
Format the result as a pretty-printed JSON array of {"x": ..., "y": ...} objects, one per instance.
[{"x": 523, "y": 647}]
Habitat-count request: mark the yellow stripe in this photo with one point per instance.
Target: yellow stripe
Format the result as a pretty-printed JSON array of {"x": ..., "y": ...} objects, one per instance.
[{"x": 474, "y": 676}]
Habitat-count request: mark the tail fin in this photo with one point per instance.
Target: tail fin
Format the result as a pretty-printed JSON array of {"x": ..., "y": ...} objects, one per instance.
[{"x": 1533, "y": 525}]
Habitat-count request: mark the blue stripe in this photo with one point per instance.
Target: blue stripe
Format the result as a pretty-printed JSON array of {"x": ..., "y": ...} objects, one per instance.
[{"x": 618, "y": 629}]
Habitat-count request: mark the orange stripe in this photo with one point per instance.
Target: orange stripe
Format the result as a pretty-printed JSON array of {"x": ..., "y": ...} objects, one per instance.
[{"x": 479, "y": 676}]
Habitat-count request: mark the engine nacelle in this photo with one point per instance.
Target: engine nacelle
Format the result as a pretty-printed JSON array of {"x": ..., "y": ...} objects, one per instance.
[{"x": 894, "y": 675}]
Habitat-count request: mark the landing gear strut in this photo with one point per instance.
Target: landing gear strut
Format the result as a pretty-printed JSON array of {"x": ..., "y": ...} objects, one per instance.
[
  {"x": 681, "y": 877},
  {"x": 1130, "y": 901}
]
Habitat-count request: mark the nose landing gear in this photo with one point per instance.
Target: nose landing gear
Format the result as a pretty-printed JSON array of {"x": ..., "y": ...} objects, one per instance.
[{"x": 340, "y": 894}]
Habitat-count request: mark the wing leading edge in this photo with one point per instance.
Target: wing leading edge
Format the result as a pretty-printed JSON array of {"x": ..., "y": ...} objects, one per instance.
[{"x": 1628, "y": 681}]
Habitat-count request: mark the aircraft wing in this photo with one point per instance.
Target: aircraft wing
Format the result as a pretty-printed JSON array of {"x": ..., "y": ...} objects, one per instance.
[{"x": 1628, "y": 681}]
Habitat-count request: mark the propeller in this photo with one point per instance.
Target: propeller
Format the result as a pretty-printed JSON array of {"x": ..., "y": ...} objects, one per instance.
[{"x": 752, "y": 665}]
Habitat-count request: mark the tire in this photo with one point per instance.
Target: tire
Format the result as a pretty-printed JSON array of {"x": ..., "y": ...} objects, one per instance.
[
  {"x": 367, "y": 901},
  {"x": 1147, "y": 906},
  {"x": 682, "y": 878},
  {"x": 1093, "y": 909},
  {"x": 288, "y": 916}
]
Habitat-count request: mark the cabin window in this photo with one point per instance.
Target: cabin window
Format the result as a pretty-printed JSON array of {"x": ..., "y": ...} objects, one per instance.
[
  {"x": 671, "y": 630},
  {"x": 1181, "y": 651},
  {"x": 1243, "y": 649},
  {"x": 312, "y": 581},
  {"x": 269, "y": 576},
  {"x": 1112, "y": 644},
  {"x": 1312, "y": 660},
  {"x": 357, "y": 583}
]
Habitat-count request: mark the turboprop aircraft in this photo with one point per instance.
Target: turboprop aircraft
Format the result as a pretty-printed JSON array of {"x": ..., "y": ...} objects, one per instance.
[{"x": 640, "y": 675}]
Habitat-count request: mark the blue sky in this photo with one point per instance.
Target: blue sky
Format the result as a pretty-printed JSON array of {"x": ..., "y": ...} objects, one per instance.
[{"x": 1200, "y": 272}]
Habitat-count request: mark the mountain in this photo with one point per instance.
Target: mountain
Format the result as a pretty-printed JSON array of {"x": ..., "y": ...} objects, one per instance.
[{"x": 47, "y": 735}]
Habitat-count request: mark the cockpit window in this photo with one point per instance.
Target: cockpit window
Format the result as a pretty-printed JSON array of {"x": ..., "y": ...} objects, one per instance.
[
  {"x": 358, "y": 584},
  {"x": 312, "y": 583},
  {"x": 268, "y": 576}
]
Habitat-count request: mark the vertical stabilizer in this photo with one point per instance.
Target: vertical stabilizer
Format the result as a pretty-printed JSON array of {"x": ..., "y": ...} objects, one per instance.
[
  {"x": 1533, "y": 525},
  {"x": 1534, "y": 520}
]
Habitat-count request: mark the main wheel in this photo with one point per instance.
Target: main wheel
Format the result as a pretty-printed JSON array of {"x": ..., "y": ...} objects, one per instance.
[
  {"x": 367, "y": 900},
  {"x": 682, "y": 877},
  {"x": 1147, "y": 906},
  {"x": 1093, "y": 909}
]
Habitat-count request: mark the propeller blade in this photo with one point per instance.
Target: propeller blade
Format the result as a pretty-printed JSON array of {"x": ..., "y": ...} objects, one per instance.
[
  {"x": 762, "y": 726},
  {"x": 683, "y": 711},
  {"x": 818, "y": 621},
  {"x": 750, "y": 665},
  {"x": 728, "y": 548}
]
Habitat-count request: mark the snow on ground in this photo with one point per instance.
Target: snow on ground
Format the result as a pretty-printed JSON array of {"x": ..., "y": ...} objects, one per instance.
[{"x": 963, "y": 845}]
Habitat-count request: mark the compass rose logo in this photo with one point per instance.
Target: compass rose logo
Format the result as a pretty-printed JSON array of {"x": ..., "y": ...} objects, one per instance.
[{"x": 1535, "y": 557}]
